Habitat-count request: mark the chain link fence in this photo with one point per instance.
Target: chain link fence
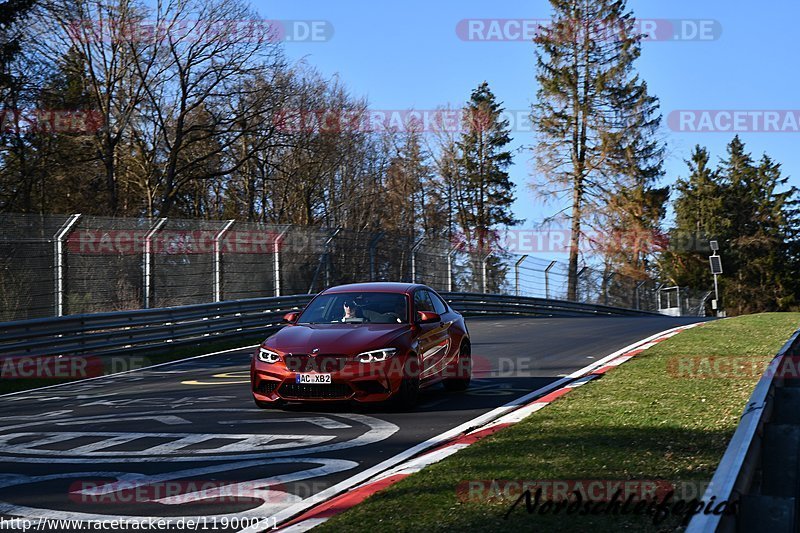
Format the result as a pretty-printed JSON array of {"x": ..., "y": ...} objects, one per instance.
[{"x": 69, "y": 264}]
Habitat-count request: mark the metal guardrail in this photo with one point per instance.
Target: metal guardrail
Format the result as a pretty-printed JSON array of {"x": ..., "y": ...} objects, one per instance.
[
  {"x": 741, "y": 469},
  {"x": 502, "y": 304},
  {"x": 151, "y": 329},
  {"x": 129, "y": 331}
]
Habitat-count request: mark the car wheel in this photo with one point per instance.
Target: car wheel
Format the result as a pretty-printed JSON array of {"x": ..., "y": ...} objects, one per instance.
[
  {"x": 462, "y": 370},
  {"x": 407, "y": 394}
]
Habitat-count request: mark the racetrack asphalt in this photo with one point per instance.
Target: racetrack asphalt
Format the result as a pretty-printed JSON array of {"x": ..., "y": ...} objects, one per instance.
[{"x": 165, "y": 433}]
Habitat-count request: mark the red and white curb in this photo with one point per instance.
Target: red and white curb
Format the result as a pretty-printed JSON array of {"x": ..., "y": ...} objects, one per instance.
[{"x": 320, "y": 511}]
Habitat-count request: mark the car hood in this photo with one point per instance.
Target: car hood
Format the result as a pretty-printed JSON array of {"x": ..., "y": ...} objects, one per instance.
[{"x": 348, "y": 339}]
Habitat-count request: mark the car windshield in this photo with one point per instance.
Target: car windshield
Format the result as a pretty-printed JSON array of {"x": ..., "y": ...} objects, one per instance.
[{"x": 357, "y": 308}]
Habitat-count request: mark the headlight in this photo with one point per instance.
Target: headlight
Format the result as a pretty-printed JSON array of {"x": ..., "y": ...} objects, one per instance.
[
  {"x": 268, "y": 356},
  {"x": 376, "y": 356}
]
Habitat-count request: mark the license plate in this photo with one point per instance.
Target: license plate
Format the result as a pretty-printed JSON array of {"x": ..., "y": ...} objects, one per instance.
[{"x": 313, "y": 379}]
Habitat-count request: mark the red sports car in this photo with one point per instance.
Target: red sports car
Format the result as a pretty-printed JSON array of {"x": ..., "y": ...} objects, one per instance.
[{"x": 366, "y": 342}]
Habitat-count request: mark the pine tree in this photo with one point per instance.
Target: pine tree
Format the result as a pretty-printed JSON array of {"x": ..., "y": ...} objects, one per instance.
[
  {"x": 483, "y": 192},
  {"x": 12, "y": 13},
  {"x": 748, "y": 208},
  {"x": 595, "y": 119},
  {"x": 756, "y": 234},
  {"x": 699, "y": 217}
]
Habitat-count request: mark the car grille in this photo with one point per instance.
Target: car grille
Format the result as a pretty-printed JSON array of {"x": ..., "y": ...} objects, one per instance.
[
  {"x": 306, "y": 391},
  {"x": 267, "y": 387},
  {"x": 325, "y": 363}
]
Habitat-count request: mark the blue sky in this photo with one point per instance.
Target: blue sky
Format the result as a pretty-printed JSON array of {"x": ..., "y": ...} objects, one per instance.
[{"x": 408, "y": 55}]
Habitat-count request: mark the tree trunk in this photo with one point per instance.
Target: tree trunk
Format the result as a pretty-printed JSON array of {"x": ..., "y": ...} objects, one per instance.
[{"x": 575, "y": 241}]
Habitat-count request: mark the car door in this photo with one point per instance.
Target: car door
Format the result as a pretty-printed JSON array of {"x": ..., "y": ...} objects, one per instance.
[
  {"x": 434, "y": 340},
  {"x": 448, "y": 319}
]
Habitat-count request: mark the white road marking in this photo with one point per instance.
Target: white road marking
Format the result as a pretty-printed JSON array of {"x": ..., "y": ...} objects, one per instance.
[
  {"x": 272, "y": 500},
  {"x": 254, "y": 445},
  {"x": 321, "y": 421},
  {"x": 169, "y": 420},
  {"x": 175, "y": 446}
]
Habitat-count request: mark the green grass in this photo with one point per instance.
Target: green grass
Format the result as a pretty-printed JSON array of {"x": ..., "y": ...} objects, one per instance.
[
  {"x": 639, "y": 422},
  {"x": 140, "y": 360}
]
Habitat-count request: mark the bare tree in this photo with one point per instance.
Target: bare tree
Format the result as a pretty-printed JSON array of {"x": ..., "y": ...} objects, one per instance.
[{"x": 594, "y": 117}]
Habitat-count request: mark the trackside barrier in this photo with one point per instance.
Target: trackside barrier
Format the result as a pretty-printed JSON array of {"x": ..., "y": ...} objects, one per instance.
[
  {"x": 502, "y": 304},
  {"x": 760, "y": 468},
  {"x": 148, "y": 329}
]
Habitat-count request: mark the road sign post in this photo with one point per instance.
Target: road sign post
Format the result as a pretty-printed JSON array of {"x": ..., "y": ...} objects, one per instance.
[{"x": 716, "y": 269}]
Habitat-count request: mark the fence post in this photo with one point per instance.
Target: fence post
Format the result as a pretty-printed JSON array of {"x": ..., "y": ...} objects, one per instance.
[
  {"x": 58, "y": 240},
  {"x": 414, "y": 250},
  {"x": 547, "y": 279},
  {"x": 578, "y": 283},
  {"x": 606, "y": 280},
  {"x": 148, "y": 255},
  {"x": 218, "y": 261},
  {"x": 323, "y": 258},
  {"x": 277, "y": 253},
  {"x": 373, "y": 245},
  {"x": 637, "y": 294},
  {"x": 516, "y": 273},
  {"x": 450, "y": 254},
  {"x": 483, "y": 270}
]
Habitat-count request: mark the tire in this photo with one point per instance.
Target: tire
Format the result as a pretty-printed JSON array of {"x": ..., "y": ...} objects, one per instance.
[
  {"x": 462, "y": 370},
  {"x": 407, "y": 395}
]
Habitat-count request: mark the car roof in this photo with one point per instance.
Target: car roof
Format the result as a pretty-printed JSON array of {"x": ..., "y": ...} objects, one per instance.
[{"x": 400, "y": 288}]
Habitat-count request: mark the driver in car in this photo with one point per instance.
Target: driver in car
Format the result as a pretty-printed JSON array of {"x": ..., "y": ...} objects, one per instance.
[{"x": 349, "y": 310}]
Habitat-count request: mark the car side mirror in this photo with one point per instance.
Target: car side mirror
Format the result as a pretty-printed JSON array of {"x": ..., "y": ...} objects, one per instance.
[
  {"x": 292, "y": 317},
  {"x": 426, "y": 317}
]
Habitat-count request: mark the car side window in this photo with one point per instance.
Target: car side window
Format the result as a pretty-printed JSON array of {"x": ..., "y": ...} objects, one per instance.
[
  {"x": 422, "y": 301},
  {"x": 438, "y": 305}
]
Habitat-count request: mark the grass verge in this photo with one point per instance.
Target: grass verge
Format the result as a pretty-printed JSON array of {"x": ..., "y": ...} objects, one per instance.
[{"x": 642, "y": 421}]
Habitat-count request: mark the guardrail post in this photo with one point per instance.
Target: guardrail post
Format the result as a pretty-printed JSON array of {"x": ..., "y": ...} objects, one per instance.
[
  {"x": 218, "y": 260},
  {"x": 450, "y": 254},
  {"x": 547, "y": 279},
  {"x": 373, "y": 245},
  {"x": 58, "y": 240},
  {"x": 414, "y": 250},
  {"x": 277, "y": 254},
  {"x": 516, "y": 273},
  {"x": 148, "y": 259},
  {"x": 483, "y": 270}
]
